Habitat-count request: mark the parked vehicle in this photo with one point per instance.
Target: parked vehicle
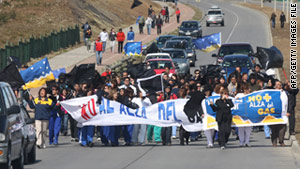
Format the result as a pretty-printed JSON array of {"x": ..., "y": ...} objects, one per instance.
[
  {"x": 190, "y": 50},
  {"x": 214, "y": 16},
  {"x": 159, "y": 65},
  {"x": 12, "y": 140},
  {"x": 180, "y": 59},
  {"x": 190, "y": 28},
  {"x": 157, "y": 56},
  {"x": 230, "y": 62},
  {"x": 232, "y": 49},
  {"x": 160, "y": 41}
]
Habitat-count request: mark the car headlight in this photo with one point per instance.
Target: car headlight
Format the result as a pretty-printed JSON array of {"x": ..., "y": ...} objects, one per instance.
[
  {"x": 190, "y": 54},
  {"x": 195, "y": 31},
  {"x": 180, "y": 31},
  {"x": 2, "y": 137}
]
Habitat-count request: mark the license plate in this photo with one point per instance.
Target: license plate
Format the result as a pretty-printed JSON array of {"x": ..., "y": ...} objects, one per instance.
[{"x": 188, "y": 33}]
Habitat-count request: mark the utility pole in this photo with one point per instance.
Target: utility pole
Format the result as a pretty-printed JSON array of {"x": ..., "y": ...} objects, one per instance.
[
  {"x": 274, "y": 5},
  {"x": 262, "y": 3},
  {"x": 283, "y": 5},
  {"x": 287, "y": 11}
]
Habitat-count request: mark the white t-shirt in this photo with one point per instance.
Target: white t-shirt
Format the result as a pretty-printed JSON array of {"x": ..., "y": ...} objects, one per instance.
[
  {"x": 104, "y": 36},
  {"x": 142, "y": 103}
]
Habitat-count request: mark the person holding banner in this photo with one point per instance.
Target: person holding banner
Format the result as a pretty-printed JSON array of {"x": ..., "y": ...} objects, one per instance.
[
  {"x": 244, "y": 132},
  {"x": 224, "y": 117}
]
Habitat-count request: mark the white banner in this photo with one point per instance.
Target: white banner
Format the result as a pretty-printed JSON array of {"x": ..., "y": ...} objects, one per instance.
[{"x": 168, "y": 113}]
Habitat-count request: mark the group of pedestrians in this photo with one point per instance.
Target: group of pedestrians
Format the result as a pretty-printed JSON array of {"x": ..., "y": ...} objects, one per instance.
[
  {"x": 282, "y": 19},
  {"x": 123, "y": 88}
]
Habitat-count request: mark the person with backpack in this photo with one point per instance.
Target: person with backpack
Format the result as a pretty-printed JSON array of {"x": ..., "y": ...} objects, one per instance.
[
  {"x": 141, "y": 24},
  {"x": 98, "y": 50}
]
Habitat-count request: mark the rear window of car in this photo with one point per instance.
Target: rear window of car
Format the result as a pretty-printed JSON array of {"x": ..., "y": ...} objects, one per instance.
[
  {"x": 238, "y": 49},
  {"x": 162, "y": 40},
  {"x": 189, "y": 24},
  {"x": 161, "y": 64},
  {"x": 176, "y": 45},
  {"x": 214, "y": 12}
]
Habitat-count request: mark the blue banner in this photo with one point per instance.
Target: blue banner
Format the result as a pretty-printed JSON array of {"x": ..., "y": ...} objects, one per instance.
[
  {"x": 265, "y": 107},
  {"x": 133, "y": 48},
  {"x": 208, "y": 43}
]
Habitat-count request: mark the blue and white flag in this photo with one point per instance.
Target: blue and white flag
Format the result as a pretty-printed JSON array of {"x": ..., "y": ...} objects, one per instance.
[
  {"x": 208, "y": 43},
  {"x": 264, "y": 107},
  {"x": 133, "y": 49},
  {"x": 57, "y": 72}
]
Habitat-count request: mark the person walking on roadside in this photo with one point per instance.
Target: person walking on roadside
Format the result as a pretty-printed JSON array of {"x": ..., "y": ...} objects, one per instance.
[
  {"x": 282, "y": 19},
  {"x": 141, "y": 24},
  {"x": 163, "y": 13},
  {"x": 224, "y": 117},
  {"x": 98, "y": 50},
  {"x": 148, "y": 24},
  {"x": 88, "y": 39},
  {"x": 120, "y": 39},
  {"x": 103, "y": 36},
  {"x": 177, "y": 15},
  {"x": 273, "y": 19},
  {"x": 130, "y": 35},
  {"x": 153, "y": 17},
  {"x": 112, "y": 38},
  {"x": 292, "y": 95},
  {"x": 85, "y": 27},
  {"x": 150, "y": 10},
  {"x": 159, "y": 23},
  {"x": 167, "y": 15},
  {"x": 43, "y": 107}
]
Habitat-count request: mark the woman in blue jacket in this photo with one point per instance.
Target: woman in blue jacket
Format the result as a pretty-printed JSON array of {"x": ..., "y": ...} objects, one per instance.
[{"x": 43, "y": 107}]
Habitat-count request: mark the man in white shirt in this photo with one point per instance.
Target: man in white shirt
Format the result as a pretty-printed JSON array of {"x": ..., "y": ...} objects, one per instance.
[
  {"x": 104, "y": 36},
  {"x": 127, "y": 84}
]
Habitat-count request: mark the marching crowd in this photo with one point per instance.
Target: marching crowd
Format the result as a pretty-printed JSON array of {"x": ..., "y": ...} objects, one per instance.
[{"x": 123, "y": 88}]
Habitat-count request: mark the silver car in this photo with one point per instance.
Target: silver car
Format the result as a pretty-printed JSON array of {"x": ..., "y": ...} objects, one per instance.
[{"x": 214, "y": 16}]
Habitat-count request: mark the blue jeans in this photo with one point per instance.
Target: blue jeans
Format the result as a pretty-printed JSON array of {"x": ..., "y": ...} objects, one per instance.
[
  {"x": 87, "y": 133},
  {"x": 103, "y": 46},
  {"x": 194, "y": 135},
  {"x": 273, "y": 24},
  {"x": 98, "y": 57},
  {"x": 65, "y": 123},
  {"x": 174, "y": 130},
  {"x": 127, "y": 132},
  {"x": 54, "y": 128},
  {"x": 267, "y": 130},
  {"x": 149, "y": 29},
  {"x": 139, "y": 133}
]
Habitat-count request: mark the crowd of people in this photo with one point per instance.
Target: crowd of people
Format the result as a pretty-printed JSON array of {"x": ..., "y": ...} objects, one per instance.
[
  {"x": 123, "y": 88},
  {"x": 153, "y": 20}
]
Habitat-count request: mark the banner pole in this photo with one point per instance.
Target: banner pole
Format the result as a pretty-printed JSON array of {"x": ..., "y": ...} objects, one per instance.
[{"x": 284, "y": 74}]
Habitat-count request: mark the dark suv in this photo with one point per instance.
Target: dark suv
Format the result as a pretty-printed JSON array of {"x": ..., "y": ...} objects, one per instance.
[
  {"x": 190, "y": 28},
  {"x": 12, "y": 141}
]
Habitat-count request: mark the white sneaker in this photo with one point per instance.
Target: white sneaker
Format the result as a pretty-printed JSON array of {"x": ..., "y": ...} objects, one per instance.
[
  {"x": 98, "y": 139},
  {"x": 223, "y": 147}
]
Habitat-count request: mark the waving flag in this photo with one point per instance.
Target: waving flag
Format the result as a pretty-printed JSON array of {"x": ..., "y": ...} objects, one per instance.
[
  {"x": 37, "y": 74},
  {"x": 151, "y": 84},
  {"x": 135, "y": 4},
  {"x": 11, "y": 75},
  {"x": 208, "y": 43},
  {"x": 57, "y": 72},
  {"x": 133, "y": 48}
]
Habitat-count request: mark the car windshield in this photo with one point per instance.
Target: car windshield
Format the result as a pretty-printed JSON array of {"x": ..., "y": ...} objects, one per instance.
[
  {"x": 189, "y": 25},
  {"x": 160, "y": 64},
  {"x": 158, "y": 56},
  {"x": 214, "y": 12},
  {"x": 176, "y": 54},
  {"x": 237, "y": 61},
  {"x": 162, "y": 40},
  {"x": 177, "y": 45},
  {"x": 231, "y": 50}
]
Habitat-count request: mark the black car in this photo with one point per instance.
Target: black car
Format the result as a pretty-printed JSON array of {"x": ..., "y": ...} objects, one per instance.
[
  {"x": 190, "y": 28},
  {"x": 232, "y": 49},
  {"x": 161, "y": 40},
  {"x": 11, "y": 132},
  {"x": 190, "y": 50}
]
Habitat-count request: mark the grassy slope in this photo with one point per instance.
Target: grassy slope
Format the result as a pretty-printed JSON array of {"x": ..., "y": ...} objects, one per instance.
[{"x": 23, "y": 18}]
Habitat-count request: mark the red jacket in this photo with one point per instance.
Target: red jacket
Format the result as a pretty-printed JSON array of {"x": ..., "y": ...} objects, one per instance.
[
  {"x": 163, "y": 12},
  {"x": 120, "y": 36},
  {"x": 99, "y": 46},
  {"x": 177, "y": 12},
  {"x": 104, "y": 74}
]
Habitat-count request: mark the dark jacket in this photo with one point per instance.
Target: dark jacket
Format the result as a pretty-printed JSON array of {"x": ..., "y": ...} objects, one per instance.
[
  {"x": 159, "y": 22},
  {"x": 42, "y": 108},
  {"x": 223, "y": 109},
  {"x": 292, "y": 93},
  {"x": 56, "y": 109},
  {"x": 282, "y": 18}
]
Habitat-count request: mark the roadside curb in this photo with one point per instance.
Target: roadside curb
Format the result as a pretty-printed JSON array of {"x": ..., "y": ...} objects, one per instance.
[{"x": 295, "y": 150}]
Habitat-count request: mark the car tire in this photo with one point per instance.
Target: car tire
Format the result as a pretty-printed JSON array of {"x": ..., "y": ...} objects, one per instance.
[
  {"x": 19, "y": 163},
  {"x": 222, "y": 24},
  {"x": 8, "y": 163},
  {"x": 32, "y": 155}
]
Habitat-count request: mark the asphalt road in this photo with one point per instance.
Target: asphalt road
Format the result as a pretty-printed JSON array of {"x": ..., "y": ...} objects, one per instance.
[{"x": 241, "y": 25}]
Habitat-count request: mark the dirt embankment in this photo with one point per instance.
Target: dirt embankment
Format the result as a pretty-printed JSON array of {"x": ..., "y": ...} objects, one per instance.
[
  {"x": 23, "y": 18},
  {"x": 281, "y": 39}
]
